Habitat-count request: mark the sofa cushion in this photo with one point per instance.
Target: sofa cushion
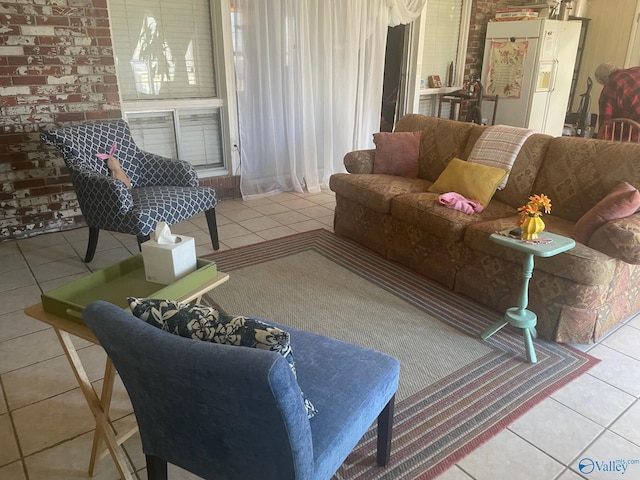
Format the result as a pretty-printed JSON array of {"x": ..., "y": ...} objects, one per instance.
[
  {"x": 375, "y": 191},
  {"x": 441, "y": 140},
  {"x": 396, "y": 153},
  {"x": 423, "y": 210},
  {"x": 471, "y": 180},
  {"x": 622, "y": 201}
]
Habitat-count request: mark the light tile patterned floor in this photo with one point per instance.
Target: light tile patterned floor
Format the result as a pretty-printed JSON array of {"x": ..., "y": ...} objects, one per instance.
[{"x": 45, "y": 427}]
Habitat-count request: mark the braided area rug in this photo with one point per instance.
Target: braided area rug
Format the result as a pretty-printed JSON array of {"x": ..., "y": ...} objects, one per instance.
[{"x": 456, "y": 391}]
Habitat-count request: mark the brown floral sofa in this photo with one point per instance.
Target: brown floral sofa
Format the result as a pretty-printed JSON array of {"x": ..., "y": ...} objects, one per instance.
[{"x": 578, "y": 295}]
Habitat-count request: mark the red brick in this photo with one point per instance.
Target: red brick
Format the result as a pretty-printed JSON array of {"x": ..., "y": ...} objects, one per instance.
[
  {"x": 97, "y": 115},
  {"x": 17, "y": 166},
  {"x": 97, "y": 12},
  {"x": 40, "y": 50},
  {"x": 69, "y": 117},
  {"x": 102, "y": 88},
  {"x": 98, "y": 32},
  {"x": 8, "y": 101},
  {"x": 13, "y": 157},
  {"x": 26, "y": 60},
  {"x": 9, "y": 29},
  {"x": 73, "y": 98},
  {"x": 48, "y": 41},
  {"x": 33, "y": 80},
  {"x": 58, "y": 21},
  {"x": 30, "y": 183},
  {"x": 104, "y": 42},
  {"x": 37, "y": 192},
  {"x": 11, "y": 139}
]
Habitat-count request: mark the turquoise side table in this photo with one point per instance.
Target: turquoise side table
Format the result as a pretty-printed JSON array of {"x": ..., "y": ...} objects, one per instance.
[{"x": 547, "y": 245}]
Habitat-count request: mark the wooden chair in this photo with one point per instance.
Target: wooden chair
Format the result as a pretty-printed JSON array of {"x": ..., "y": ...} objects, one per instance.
[{"x": 621, "y": 130}]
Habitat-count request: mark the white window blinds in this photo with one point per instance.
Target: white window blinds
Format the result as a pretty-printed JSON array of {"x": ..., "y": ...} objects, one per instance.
[
  {"x": 442, "y": 31},
  {"x": 154, "y": 132},
  {"x": 164, "y": 50}
]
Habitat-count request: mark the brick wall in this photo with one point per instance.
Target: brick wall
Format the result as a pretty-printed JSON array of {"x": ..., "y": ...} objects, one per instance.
[
  {"x": 56, "y": 67},
  {"x": 481, "y": 12}
]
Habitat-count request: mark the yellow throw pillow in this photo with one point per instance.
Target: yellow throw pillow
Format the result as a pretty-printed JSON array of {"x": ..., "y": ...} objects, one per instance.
[{"x": 473, "y": 181}]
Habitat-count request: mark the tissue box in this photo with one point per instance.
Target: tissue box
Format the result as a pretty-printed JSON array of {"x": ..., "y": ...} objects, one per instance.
[{"x": 167, "y": 262}]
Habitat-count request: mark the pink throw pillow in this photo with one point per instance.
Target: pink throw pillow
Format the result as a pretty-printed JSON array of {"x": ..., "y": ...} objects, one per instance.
[
  {"x": 397, "y": 153},
  {"x": 622, "y": 201}
]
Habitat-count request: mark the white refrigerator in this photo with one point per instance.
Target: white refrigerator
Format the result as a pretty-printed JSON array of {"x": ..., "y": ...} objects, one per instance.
[{"x": 529, "y": 65}]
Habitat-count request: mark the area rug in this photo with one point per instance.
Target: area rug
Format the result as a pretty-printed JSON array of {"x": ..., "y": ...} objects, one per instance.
[{"x": 456, "y": 391}]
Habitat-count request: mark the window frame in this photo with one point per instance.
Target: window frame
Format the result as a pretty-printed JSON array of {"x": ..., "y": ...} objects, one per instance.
[
  {"x": 225, "y": 83},
  {"x": 415, "y": 48}
]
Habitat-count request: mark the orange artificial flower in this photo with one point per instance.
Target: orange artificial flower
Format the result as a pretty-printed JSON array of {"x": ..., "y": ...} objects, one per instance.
[{"x": 536, "y": 205}]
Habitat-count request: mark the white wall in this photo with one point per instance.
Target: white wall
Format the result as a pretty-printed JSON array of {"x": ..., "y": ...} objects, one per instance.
[{"x": 607, "y": 41}]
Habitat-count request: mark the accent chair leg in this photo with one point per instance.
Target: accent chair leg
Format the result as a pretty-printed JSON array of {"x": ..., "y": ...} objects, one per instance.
[
  {"x": 156, "y": 468},
  {"x": 213, "y": 227},
  {"x": 385, "y": 428},
  {"x": 142, "y": 239},
  {"x": 93, "y": 243}
]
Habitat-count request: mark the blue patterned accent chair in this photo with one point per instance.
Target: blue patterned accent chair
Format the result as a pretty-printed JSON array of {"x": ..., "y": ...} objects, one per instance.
[
  {"x": 163, "y": 190},
  {"x": 232, "y": 412}
]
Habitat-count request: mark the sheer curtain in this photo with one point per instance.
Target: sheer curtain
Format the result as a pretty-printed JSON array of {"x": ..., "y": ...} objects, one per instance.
[{"x": 309, "y": 79}]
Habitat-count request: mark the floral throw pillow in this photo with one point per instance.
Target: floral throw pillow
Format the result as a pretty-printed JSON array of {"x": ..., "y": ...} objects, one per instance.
[{"x": 201, "y": 322}]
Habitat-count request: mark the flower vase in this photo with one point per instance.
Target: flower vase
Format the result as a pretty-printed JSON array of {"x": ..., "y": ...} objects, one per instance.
[{"x": 531, "y": 227}]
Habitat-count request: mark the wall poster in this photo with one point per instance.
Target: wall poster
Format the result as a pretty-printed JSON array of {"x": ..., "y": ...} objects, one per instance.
[{"x": 506, "y": 68}]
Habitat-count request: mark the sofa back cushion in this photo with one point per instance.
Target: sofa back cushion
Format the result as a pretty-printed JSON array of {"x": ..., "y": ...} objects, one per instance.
[
  {"x": 577, "y": 173},
  {"x": 441, "y": 140},
  {"x": 524, "y": 170}
]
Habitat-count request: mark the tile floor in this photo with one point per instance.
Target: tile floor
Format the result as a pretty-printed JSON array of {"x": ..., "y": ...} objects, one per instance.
[{"x": 46, "y": 429}]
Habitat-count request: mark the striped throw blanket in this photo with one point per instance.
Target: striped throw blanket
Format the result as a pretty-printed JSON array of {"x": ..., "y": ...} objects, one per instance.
[{"x": 498, "y": 146}]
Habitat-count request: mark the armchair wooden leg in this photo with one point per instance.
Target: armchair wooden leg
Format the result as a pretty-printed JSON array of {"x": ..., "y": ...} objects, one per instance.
[
  {"x": 93, "y": 243},
  {"x": 213, "y": 228},
  {"x": 385, "y": 427},
  {"x": 156, "y": 468},
  {"x": 142, "y": 239}
]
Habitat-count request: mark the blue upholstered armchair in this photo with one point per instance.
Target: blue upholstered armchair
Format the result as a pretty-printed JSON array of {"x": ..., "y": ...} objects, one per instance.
[
  {"x": 231, "y": 412},
  {"x": 163, "y": 190}
]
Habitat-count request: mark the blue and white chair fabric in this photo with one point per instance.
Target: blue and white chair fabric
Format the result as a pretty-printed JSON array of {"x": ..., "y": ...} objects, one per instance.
[{"x": 163, "y": 190}]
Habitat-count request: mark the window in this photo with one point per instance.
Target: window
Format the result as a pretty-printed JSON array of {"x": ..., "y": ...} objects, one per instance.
[
  {"x": 167, "y": 74},
  {"x": 443, "y": 35}
]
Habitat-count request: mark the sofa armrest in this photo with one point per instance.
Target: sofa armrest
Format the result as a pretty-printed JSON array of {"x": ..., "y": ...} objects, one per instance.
[
  {"x": 359, "y": 161},
  {"x": 619, "y": 239}
]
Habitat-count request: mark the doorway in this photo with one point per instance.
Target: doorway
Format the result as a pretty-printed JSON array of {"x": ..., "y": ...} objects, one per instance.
[{"x": 393, "y": 63}]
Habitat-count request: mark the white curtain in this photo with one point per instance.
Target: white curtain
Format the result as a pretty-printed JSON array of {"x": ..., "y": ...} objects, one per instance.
[{"x": 309, "y": 77}]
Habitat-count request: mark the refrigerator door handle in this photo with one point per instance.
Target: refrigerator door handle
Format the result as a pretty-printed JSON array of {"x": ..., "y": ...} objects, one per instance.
[{"x": 554, "y": 74}]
